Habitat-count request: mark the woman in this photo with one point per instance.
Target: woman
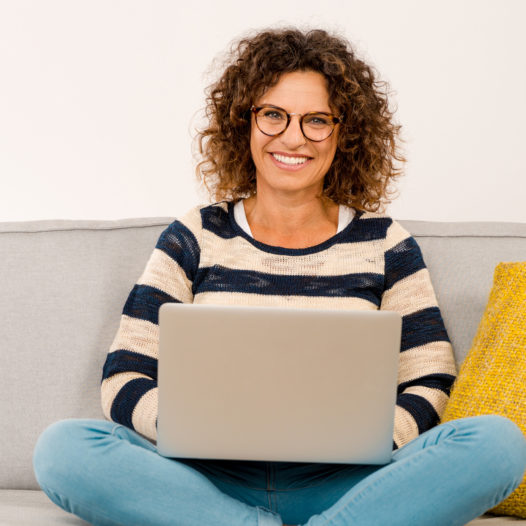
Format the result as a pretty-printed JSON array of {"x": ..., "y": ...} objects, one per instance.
[{"x": 300, "y": 151}]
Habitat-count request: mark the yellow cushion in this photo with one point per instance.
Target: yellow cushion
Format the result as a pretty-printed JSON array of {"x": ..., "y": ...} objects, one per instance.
[{"x": 492, "y": 378}]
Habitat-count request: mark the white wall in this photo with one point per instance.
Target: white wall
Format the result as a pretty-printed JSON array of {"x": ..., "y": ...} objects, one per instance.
[{"x": 97, "y": 100}]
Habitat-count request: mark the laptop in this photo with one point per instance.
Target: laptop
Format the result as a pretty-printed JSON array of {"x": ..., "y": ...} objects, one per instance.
[{"x": 277, "y": 384}]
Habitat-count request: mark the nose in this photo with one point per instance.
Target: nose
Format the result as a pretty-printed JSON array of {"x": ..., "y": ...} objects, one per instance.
[{"x": 293, "y": 137}]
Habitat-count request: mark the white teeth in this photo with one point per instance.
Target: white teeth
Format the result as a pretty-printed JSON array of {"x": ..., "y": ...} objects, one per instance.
[{"x": 289, "y": 160}]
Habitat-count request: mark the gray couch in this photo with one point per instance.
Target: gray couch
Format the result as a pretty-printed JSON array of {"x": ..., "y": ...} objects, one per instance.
[{"x": 64, "y": 284}]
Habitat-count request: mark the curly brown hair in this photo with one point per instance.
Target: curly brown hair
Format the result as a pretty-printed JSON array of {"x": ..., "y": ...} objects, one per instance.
[{"x": 364, "y": 165}]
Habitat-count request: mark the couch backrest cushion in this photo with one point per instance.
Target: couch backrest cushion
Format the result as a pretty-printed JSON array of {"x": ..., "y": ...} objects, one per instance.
[
  {"x": 461, "y": 258},
  {"x": 64, "y": 284}
]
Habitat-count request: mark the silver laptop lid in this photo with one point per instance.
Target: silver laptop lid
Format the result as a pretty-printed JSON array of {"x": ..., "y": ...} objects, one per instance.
[{"x": 277, "y": 384}]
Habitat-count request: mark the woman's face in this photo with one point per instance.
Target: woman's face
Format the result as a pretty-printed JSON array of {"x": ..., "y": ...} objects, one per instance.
[{"x": 289, "y": 162}]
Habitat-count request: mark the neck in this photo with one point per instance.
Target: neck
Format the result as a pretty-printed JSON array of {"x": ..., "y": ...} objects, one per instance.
[{"x": 290, "y": 222}]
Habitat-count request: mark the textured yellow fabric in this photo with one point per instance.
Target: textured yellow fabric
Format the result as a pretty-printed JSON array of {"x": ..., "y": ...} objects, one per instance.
[{"x": 492, "y": 379}]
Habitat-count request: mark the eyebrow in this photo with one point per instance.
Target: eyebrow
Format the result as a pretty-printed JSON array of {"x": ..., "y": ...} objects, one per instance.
[{"x": 268, "y": 104}]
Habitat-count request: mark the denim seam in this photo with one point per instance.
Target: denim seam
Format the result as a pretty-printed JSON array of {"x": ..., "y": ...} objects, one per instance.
[{"x": 267, "y": 466}]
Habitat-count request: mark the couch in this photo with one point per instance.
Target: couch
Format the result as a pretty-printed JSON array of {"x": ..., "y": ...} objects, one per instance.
[{"x": 64, "y": 284}]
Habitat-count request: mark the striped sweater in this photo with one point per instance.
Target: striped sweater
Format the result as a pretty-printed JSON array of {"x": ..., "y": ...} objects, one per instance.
[{"x": 207, "y": 258}]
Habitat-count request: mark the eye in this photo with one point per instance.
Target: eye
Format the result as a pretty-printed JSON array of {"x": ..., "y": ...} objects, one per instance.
[
  {"x": 317, "y": 119},
  {"x": 272, "y": 114}
]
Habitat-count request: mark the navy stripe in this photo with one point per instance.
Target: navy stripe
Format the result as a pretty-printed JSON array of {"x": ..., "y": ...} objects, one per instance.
[
  {"x": 144, "y": 303},
  {"x": 422, "y": 327},
  {"x": 443, "y": 382},
  {"x": 367, "y": 229},
  {"x": 126, "y": 400},
  {"x": 401, "y": 261},
  {"x": 420, "y": 409},
  {"x": 178, "y": 242},
  {"x": 122, "y": 361},
  {"x": 221, "y": 279},
  {"x": 215, "y": 219}
]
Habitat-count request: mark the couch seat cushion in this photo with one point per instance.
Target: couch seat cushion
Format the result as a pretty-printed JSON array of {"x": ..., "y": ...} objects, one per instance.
[{"x": 33, "y": 508}]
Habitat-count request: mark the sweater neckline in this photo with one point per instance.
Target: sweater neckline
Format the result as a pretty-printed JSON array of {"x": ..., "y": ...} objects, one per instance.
[
  {"x": 345, "y": 215},
  {"x": 291, "y": 251}
]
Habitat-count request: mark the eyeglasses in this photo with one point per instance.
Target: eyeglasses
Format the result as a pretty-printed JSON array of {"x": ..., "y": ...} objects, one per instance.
[{"x": 315, "y": 125}]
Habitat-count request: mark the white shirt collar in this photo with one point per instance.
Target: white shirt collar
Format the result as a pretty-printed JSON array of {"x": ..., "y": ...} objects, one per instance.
[{"x": 345, "y": 216}]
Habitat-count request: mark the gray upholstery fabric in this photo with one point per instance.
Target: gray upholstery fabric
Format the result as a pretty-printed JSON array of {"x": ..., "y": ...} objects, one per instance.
[
  {"x": 461, "y": 258},
  {"x": 33, "y": 508},
  {"x": 64, "y": 284}
]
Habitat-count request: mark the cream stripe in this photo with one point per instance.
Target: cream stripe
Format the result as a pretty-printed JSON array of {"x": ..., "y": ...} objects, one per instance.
[
  {"x": 112, "y": 385},
  {"x": 342, "y": 258},
  {"x": 410, "y": 294},
  {"x": 374, "y": 215},
  {"x": 145, "y": 413},
  {"x": 395, "y": 235},
  {"x": 437, "y": 398},
  {"x": 307, "y": 302},
  {"x": 137, "y": 335},
  {"x": 192, "y": 220},
  {"x": 405, "y": 428},
  {"x": 165, "y": 274},
  {"x": 432, "y": 358}
]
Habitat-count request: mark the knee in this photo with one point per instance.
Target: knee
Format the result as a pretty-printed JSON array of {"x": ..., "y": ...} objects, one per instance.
[
  {"x": 503, "y": 445},
  {"x": 58, "y": 448}
]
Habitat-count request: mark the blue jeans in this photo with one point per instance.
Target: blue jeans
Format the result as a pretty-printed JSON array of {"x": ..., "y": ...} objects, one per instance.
[{"x": 109, "y": 475}]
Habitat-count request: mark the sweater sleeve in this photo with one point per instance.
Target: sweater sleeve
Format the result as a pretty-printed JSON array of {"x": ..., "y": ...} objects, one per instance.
[
  {"x": 427, "y": 365},
  {"x": 129, "y": 377}
]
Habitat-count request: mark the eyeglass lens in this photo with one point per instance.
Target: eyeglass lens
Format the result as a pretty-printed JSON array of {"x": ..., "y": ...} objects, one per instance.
[{"x": 315, "y": 126}]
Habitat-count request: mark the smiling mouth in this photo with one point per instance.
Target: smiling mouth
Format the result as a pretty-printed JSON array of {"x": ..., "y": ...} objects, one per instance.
[{"x": 286, "y": 159}]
